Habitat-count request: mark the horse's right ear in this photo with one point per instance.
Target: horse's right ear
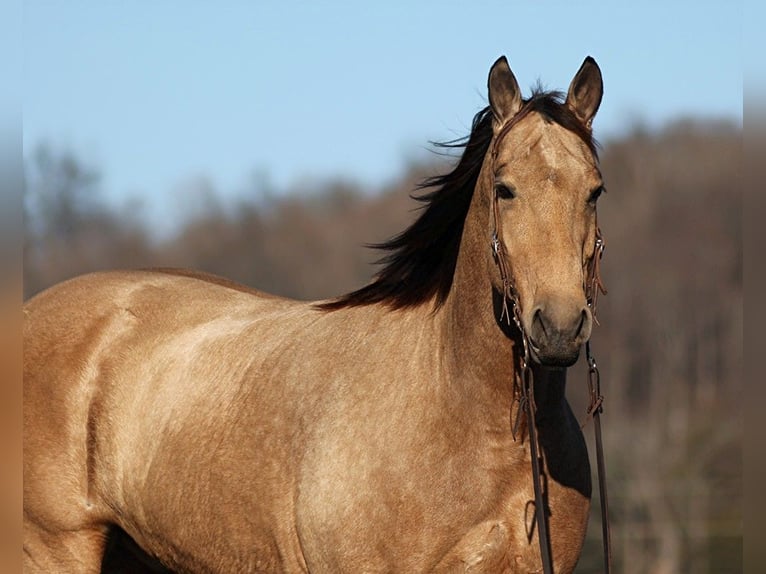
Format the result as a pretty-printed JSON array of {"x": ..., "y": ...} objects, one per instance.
[{"x": 504, "y": 93}]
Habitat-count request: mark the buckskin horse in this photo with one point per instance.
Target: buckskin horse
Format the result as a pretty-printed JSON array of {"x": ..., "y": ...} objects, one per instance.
[{"x": 228, "y": 430}]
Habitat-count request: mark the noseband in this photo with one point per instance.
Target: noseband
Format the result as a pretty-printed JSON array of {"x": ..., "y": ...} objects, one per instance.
[{"x": 592, "y": 286}]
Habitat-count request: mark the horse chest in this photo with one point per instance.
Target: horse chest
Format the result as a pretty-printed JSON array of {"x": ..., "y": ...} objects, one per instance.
[
  {"x": 473, "y": 512},
  {"x": 508, "y": 544}
]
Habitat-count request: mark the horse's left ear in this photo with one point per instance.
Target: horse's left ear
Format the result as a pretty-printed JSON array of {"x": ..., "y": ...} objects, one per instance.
[{"x": 585, "y": 91}]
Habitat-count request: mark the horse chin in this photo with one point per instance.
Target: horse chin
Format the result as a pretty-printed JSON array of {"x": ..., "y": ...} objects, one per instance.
[{"x": 559, "y": 357}]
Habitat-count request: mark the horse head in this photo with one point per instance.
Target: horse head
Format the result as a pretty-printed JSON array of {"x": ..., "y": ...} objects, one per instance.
[{"x": 542, "y": 181}]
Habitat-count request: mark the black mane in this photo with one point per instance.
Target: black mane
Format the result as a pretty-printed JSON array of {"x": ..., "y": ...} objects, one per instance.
[{"x": 420, "y": 261}]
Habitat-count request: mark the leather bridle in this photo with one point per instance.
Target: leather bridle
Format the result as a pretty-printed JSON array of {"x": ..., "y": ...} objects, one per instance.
[{"x": 592, "y": 285}]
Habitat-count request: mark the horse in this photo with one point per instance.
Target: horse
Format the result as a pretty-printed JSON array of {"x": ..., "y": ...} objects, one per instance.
[{"x": 229, "y": 430}]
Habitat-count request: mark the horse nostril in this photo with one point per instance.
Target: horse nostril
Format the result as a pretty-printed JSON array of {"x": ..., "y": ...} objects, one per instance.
[
  {"x": 538, "y": 324},
  {"x": 583, "y": 327},
  {"x": 583, "y": 318}
]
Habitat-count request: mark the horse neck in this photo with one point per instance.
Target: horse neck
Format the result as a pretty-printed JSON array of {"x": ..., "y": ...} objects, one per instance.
[{"x": 483, "y": 349}]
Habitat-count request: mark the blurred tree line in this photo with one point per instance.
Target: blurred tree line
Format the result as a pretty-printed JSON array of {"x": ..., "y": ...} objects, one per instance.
[{"x": 669, "y": 346}]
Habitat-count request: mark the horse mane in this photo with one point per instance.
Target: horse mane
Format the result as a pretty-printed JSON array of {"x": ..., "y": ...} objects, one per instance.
[{"x": 420, "y": 261}]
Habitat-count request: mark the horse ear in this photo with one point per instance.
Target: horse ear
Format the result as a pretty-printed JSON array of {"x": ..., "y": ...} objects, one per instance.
[
  {"x": 585, "y": 91},
  {"x": 504, "y": 93}
]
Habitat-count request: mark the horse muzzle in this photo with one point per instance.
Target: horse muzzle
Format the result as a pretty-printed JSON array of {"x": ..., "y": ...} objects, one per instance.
[{"x": 555, "y": 335}]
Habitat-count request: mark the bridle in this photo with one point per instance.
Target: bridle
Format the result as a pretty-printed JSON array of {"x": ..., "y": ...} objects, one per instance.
[{"x": 592, "y": 285}]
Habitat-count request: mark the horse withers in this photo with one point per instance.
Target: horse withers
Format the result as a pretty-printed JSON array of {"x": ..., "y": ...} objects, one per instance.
[{"x": 228, "y": 430}]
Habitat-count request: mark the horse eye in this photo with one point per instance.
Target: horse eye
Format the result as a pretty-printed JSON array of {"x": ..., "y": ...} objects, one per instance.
[
  {"x": 504, "y": 191},
  {"x": 594, "y": 195}
]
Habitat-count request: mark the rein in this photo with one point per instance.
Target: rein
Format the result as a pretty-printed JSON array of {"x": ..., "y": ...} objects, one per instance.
[{"x": 593, "y": 285}]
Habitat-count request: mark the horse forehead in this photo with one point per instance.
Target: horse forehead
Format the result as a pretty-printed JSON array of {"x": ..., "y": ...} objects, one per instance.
[{"x": 543, "y": 148}]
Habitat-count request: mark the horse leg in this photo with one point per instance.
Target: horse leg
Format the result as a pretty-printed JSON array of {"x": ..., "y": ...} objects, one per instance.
[
  {"x": 65, "y": 521},
  {"x": 62, "y": 551},
  {"x": 64, "y": 528}
]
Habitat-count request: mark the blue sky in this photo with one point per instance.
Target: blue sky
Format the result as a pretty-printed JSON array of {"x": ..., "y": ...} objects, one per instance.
[{"x": 155, "y": 94}]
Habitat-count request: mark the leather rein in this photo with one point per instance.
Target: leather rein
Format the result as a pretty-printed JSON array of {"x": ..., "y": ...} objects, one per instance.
[{"x": 593, "y": 285}]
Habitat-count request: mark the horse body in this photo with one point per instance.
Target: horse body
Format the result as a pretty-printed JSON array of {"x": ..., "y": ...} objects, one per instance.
[
  {"x": 288, "y": 461},
  {"x": 228, "y": 430}
]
